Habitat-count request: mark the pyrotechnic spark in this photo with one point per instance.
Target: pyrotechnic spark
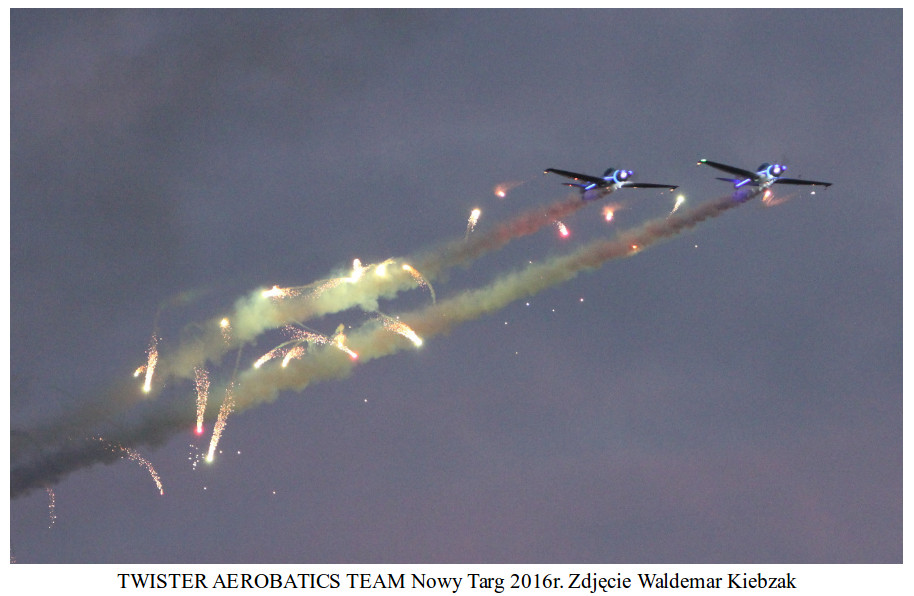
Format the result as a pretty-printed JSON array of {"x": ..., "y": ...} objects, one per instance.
[
  {"x": 193, "y": 455},
  {"x": 153, "y": 357},
  {"x": 201, "y": 379},
  {"x": 268, "y": 356},
  {"x": 228, "y": 404},
  {"x": 52, "y": 507},
  {"x": 139, "y": 371},
  {"x": 257, "y": 386},
  {"x": 679, "y": 201},
  {"x": 357, "y": 271},
  {"x": 226, "y": 328},
  {"x": 135, "y": 456},
  {"x": 279, "y": 293},
  {"x": 400, "y": 328},
  {"x": 608, "y": 213},
  {"x": 501, "y": 190},
  {"x": 471, "y": 222},
  {"x": 563, "y": 230},
  {"x": 296, "y": 352},
  {"x": 770, "y": 200},
  {"x": 423, "y": 283},
  {"x": 339, "y": 340}
]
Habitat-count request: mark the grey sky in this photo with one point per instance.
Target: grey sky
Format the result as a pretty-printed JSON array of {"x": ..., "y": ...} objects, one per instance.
[{"x": 730, "y": 395}]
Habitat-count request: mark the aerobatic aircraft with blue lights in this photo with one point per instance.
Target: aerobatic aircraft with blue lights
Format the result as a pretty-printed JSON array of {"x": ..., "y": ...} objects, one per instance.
[
  {"x": 766, "y": 175},
  {"x": 594, "y": 187}
]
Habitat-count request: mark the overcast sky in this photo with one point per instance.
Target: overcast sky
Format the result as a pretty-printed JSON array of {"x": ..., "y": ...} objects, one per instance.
[{"x": 733, "y": 394}]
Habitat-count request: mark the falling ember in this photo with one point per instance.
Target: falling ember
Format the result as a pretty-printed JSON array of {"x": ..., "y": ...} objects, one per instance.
[
  {"x": 228, "y": 404},
  {"x": 52, "y": 507},
  {"x": 471, "y": 222},
  {"x": 420, "y": 280},
  {"x": 563, "y": 230},
  {"x": 608, "y": 213},
  {"x": 400, "y": 328},
  {"x": 202, "y": 383},
  {"x": 139, "y": 371},
  {"x": 153, "y": 354}
]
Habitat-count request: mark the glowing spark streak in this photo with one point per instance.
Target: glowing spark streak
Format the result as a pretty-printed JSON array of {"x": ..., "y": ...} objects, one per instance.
[
  {"x": 228, "y": 404},
  {"x": 52, "y": 507},
  {"x": 400, "y": 328},
  {"x": 339, "y": 341},
  {"x": 139, "y": 371},
  {"x": 277, "y": 292},
  {"x": 421, "y": 281},
  {"x": 153, "y": 353},
  {"x": 563, "y": 230},
  {"x": 471, "y": 222},
  {"x": 608, "y": 213},
  {"x": 135, "y": 456},
  {"x": 679, "y": 201},
  {"x": 201, "y": 379},
  {"x": 268, "y": 356},
  {"x": 295, "y": 352}
]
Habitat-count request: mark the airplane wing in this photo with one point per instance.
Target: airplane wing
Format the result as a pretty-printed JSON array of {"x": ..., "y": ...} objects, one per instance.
[
  {"x": 804, "y": 182},
  {"x": 649, "y": 185},
  {"x": 576, "y": 176},
  {"x": 729, "y": 169}
]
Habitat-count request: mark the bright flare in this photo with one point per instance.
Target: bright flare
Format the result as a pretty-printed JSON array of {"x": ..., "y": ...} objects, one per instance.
[
  {"x": 679, "y": 201},
  {"x": 357, "y": 271},
  {"x": 471, "y": 222},
  {"x": 563, "y": 230},
  {"x": 153, "y": 357},
  {"x": 226, "y": 328},
  {"x": 501, "y": 190}
]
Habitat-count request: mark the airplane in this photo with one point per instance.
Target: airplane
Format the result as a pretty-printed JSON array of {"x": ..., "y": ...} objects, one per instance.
[
  {"x": 593, "y": 187},
  {"x": 766, "y": 175}
]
